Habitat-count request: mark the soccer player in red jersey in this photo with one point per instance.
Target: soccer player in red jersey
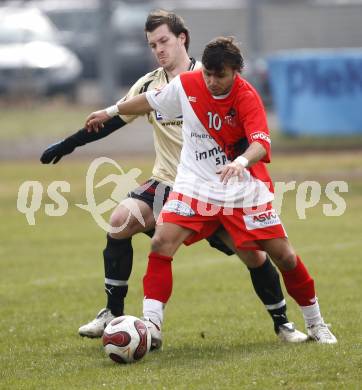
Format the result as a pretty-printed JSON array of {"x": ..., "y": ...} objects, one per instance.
[
  {"x": 168, "y": 38},
  {"x": 218, "y": 181}
]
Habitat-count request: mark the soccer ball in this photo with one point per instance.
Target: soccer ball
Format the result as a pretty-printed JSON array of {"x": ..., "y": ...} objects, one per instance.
[{"x": 126, "y": 339}]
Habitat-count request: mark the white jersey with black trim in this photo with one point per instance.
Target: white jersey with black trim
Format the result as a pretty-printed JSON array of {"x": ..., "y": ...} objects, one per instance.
[
  {"x": 167, "y": 133},
  {"x": 201, "y": 156}
]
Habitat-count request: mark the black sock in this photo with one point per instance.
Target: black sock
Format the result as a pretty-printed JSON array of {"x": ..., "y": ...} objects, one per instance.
[
  {"x": 266, "y": 283},
  {"x": 118, "y": 259}
]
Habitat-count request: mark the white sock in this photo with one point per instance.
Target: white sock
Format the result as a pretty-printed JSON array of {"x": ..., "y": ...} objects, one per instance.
[
  {"x": 312, "y": 314},
  {"x": 153, "y": 310}
]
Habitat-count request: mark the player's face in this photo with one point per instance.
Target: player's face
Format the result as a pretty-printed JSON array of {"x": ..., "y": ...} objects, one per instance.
[
  {"x": 219, "y": 83},
  {"x": 166, "y": 47}
]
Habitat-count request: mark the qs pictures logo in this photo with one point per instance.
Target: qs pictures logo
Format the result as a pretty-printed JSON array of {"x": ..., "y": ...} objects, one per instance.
[
  {"x": 124, "y": 183},
  {"x": 30, "y": 196}
]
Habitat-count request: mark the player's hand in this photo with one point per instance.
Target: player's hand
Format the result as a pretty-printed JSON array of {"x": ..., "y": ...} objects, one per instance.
[
  {"x": 95, "y": 120},
  {"x": 55, "y": 152},
  {"x": 230, "y": 170}
]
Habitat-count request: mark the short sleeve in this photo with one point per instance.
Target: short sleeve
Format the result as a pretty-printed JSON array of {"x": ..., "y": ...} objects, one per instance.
[
  {"x": 167, "y": 100},
  {"x": 253, "y": 116}
]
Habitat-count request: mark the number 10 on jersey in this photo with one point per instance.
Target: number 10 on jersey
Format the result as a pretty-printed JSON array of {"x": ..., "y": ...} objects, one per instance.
[{"x": 214, "y": 121}]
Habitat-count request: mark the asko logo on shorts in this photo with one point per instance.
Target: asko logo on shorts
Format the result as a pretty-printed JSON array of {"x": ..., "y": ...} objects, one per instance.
[
  {"x": 260, "y": 135},
  {"x": 179, "y": 207},
  {"x": 261, "y": 220}
]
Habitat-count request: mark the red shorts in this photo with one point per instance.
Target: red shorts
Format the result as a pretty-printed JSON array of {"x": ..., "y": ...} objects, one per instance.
[{"x": 245, "y": 226}]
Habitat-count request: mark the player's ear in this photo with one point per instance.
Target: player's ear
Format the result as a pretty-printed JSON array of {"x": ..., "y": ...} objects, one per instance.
[{"x": 182, "y": 37}]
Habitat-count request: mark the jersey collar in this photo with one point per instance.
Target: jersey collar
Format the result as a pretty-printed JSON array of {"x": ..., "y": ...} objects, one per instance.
[{"x": 191, "y": 67}]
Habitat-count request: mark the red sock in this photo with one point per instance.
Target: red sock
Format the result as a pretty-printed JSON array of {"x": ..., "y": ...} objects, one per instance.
[
  {"x": 300, "y": 284},
  {"x": 157, "y": 282}
]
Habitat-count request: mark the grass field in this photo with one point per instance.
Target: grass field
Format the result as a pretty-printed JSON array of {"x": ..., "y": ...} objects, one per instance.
[
  {"x": 45, "y": 120},
  {"x": 216, "y": 334}
]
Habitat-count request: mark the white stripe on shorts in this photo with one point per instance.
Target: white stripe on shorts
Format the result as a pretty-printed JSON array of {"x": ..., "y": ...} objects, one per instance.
[
  {"x": 276, "y": 305},
  {"x": 114, "y": 282}
]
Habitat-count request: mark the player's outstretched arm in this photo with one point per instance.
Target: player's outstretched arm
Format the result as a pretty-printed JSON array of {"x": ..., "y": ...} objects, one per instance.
[
  {"x": 138, "y": 105},
  {"x": 55, "y": 152}
]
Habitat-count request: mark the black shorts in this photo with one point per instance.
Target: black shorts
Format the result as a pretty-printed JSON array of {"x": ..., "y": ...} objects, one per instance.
[{"x": 155, "y": 194}]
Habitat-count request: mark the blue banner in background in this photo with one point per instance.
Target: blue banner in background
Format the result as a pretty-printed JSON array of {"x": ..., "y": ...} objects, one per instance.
[{"x": 317, "y": 92}]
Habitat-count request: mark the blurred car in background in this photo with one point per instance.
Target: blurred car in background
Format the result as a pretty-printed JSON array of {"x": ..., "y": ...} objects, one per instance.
[
  {"x": 79, "y": 24},
  {"x": 31, "y": 60}
]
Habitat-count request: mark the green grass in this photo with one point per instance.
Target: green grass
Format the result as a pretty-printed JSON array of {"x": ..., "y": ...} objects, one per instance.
[
  {"x": 308, "y": 143},
  {"x": 216, "y": 334},
  {"x": 35, "y": 120}
]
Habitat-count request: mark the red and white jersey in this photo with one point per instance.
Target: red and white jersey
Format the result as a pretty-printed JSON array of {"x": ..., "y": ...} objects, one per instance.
[{"x": 215, "y": 131}]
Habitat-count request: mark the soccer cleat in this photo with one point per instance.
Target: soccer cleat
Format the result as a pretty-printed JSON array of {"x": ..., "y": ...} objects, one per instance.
[
  {"x": 156, "y": 336},
  {"x": 287, "y": 332},
  {"x": 95, "y": 328},
  {"x": 321, "y": 334}
]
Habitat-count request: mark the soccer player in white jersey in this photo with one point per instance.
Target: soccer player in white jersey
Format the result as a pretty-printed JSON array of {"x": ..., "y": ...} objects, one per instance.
[
  {"x": 215, "y": 184},
  {"x": 168, "y": 39}
]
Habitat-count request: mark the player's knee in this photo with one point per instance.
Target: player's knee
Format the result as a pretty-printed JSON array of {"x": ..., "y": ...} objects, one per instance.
[
  {"x": 287, "y": 260},
  {"x": 118, "y": 218},
  {"x": 252, "y": 259},
  {"x": 121, "y": 224},
  {"x": 159, "y": 244}
]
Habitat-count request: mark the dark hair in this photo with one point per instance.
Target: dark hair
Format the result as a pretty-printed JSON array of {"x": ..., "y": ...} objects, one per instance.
[
  {"x": 174, "y": 22},
  {"x": 221, "y": 52}
]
